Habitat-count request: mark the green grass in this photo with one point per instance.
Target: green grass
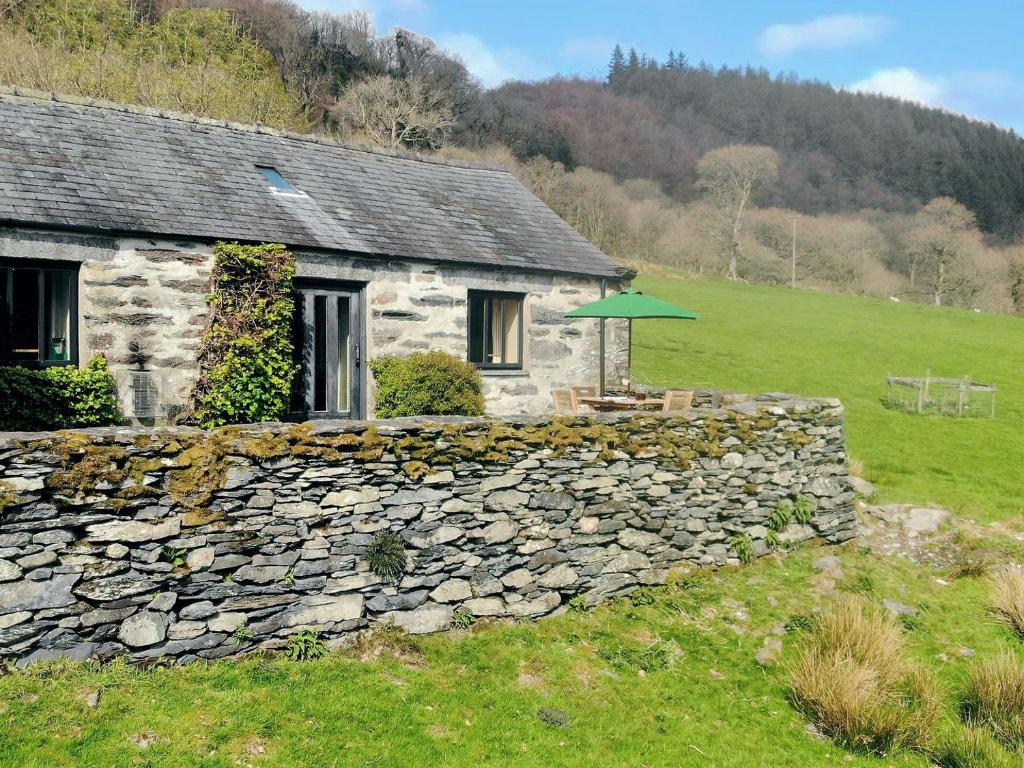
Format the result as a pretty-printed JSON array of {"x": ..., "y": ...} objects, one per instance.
[
  {"x": 472, "y": 699},
  {"x": 669, "y": 682},
  {"x": 761, "y": 339}
]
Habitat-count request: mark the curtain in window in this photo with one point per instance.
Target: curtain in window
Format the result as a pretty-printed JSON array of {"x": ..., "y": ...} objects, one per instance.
[
  {"x": 495, "y": 331},
  {"x": 510, "y": 330},
  {"x": 58, "y": 316}
]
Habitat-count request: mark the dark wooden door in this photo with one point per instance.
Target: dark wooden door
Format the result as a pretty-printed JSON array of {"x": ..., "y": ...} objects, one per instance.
[{"x": 331, "y": 331}]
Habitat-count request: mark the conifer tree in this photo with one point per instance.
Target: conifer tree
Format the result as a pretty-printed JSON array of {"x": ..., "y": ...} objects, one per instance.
[{"x": 618, "y": 63}]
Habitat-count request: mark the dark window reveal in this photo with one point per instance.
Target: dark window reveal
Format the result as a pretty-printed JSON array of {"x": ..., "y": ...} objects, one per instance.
[
  {"x": 38, "y": 314},
  {"x": 496, "y": 329}
]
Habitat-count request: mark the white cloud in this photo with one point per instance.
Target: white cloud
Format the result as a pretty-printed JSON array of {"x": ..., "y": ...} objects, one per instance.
[
  {"x": 907, "y": 84},
  {"x": 991, "y": 95},
  {"x": 491, "y": 66},
  {"x": 822, "y": 33}
]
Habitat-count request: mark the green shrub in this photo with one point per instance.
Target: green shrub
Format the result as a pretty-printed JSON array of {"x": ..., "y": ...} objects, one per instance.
[
  {"x": 58, "y": 397},
  {"x": 306, "y": 646},
  {"x": 781, "y": 516},
  {"x": 246, "y": 361},
  {"x": 803, "y": 512},
  {"x": 743, "y": 545},
  {"x": 386, "y": 556},
  {"x": 427, "y": 384}
]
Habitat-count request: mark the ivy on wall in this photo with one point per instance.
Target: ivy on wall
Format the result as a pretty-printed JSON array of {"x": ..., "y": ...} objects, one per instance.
[{"x": 246, "y": 358}]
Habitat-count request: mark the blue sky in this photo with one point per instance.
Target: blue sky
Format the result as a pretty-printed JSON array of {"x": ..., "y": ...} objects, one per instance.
[{"x": 964, "y": 56}]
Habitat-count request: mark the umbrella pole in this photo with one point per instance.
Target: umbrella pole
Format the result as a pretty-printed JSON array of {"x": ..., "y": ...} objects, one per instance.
[
  {"x": 629, "y": 358},
  {"x": 600, "y": 364}
]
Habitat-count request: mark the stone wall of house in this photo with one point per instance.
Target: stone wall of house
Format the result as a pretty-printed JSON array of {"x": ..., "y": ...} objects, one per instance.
[
  {"x": 142, "y": 305},
  {"x": 420, "y": 306},
  {"x": 186, "y": 544}
]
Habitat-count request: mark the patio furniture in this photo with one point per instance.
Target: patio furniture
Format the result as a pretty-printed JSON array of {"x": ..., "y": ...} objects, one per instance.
[
  {"x": 622, "y": 403},
  {"x": 581, "y": 392},
  {"x": 628, "y": 305},
  {"x": 565, "y": 401},
  {"x": 676, "y": 399}
]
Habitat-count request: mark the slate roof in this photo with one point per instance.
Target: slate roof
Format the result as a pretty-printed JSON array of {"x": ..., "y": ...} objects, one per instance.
[{"x": 75, "y": 164}]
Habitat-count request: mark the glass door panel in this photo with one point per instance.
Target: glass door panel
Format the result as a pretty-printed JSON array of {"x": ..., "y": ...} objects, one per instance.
[{"x": 330, "y": 352}]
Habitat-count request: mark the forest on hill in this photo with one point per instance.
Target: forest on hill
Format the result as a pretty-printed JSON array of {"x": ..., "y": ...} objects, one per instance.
[{"x": 723, "y": 171}]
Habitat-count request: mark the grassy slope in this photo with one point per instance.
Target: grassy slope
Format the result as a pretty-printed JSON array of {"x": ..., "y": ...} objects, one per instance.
[
  {"x": 472, "y": 699},
  {"x": 759, "y": 338}
]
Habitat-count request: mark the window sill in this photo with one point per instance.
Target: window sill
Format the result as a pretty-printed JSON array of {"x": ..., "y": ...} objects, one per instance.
[{"x": 498, "y": 372}]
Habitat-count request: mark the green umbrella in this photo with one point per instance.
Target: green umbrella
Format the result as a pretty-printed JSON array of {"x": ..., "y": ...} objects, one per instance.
[{"x": 630, "y": 305}]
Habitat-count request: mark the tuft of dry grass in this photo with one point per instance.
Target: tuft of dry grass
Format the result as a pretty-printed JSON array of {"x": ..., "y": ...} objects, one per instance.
[
  {"x": 995, "y": 698},
  {"x": 852, "y": 680},
  {"x": 1008, "y": 596},
  {"x": 970, "y": 747}
]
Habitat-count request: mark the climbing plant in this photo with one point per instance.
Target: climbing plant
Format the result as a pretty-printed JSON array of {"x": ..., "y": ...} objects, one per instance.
[{"x": 246, "y": 358}]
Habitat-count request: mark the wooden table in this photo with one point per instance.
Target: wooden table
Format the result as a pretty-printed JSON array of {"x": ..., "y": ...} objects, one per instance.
[{"x": 621, "y": 404}]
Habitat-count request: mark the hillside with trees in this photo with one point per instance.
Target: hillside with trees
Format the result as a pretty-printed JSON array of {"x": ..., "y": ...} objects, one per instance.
[{"x": 728, "y": 172}]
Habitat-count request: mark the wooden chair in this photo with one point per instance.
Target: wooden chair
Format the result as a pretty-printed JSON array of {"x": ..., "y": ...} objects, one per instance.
[
  {"x": 675, "y": 399},
  {"x": 578, "y": 392},
  {"x": 565, "y": 401}
]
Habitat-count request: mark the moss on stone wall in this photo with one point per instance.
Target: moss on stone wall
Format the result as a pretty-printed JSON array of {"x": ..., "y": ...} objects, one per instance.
[{"x": 191, "y": 466}]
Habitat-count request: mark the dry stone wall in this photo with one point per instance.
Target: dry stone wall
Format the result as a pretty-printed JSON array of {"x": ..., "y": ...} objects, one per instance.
[{"x": 182, "y": 544}]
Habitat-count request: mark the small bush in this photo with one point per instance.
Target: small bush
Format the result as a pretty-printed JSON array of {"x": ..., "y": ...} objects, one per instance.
[
  {"x": 386, "y": 556},
  {"x": 852, "y": 680},
  {"x": 463, "y": 620},
  {"x": 427, "y": 384},
  {"x": 995, "y": 698},
  {"x": 969, "y": 747},
  {"x": 1008, "y": 596},
  {"x": 58, "y": 397},
  {"x": 803, "y": 512},
  {"x": 781, "y": 516},
  {"x": 743, "y": 545},
  {"x": 306, "y": 646},
  {"x": 578, "y": 604},
  {"x": 970, "y": 564}
]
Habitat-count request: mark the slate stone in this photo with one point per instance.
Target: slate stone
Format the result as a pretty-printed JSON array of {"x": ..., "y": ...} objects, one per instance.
[
  {"x": 38, "y": 595},
  {"x": 142, "y": 629}
]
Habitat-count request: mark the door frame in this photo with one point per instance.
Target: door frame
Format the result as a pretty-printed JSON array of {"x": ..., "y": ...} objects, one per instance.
[{"x": 356, "y": 294}]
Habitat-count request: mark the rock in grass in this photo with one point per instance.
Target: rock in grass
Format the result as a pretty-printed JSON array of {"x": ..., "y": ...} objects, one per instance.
[
  {"x": 555, "y": 717},
  {"x": 862, "y": 487}
]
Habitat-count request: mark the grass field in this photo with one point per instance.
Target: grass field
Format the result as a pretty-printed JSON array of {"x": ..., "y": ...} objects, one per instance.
[
  {"x": 666, "y": 681},
  {"x": 669, "y": 683},
  {"x": 758, "y": 339}
]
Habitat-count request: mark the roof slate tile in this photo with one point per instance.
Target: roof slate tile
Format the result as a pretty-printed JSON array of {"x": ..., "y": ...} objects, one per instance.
[{"x": 135, "y": 171}]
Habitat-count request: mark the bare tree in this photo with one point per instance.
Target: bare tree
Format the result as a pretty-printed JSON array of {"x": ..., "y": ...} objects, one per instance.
[
  {"x": 396, "y": 113},
  {"x": 942, "y": 248},
  {"x": 730, "y": 176}
]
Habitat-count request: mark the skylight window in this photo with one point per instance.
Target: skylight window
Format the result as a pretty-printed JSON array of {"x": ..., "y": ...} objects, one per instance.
[{"x": 278, "y": 183}]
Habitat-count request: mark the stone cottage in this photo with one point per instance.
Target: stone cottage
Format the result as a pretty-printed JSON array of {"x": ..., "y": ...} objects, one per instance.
[{"x": 108, "y": 217}]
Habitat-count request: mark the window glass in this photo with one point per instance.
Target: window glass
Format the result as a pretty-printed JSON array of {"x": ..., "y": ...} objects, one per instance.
[
  {"x": 37, "y": 321},
  {"x": 495, "y": 329},
  {"x": 277, "y": 181},
  {"x": 25, "y": 314}
]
